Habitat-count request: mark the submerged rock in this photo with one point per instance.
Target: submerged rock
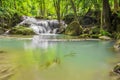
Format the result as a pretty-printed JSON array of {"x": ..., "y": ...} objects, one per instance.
[{"x": 73, "y": 29}]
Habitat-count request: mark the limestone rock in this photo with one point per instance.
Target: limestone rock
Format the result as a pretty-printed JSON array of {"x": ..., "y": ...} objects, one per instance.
[
  {"x": 73, "y": 29},
  {"x": 104, "y": 38}
]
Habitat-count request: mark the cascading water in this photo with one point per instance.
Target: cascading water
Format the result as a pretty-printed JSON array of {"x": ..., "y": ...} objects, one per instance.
[{"x": 42, "y": 26}]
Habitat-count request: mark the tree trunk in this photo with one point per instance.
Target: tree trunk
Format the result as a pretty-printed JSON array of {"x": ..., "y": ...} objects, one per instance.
[
  {"x": 106, "y": 15},
  {"x": 42, "y": 8},
  {"x": 57, "y": 9},
  {"x": 116, "y": 5},
  {"x": 74, "y": 9}
]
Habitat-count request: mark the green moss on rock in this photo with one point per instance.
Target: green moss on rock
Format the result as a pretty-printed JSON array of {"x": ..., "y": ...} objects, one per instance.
[
  {"x": 22, "y": 30},
  {"x": 73, "y": 29}
]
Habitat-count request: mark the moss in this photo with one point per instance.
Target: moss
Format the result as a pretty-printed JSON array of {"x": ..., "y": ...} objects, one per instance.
[
  {"x": 22, "y": 30},
  {"x": 73, "y": 29}
]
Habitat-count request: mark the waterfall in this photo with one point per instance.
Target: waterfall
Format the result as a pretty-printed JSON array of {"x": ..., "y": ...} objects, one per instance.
[{"x": 42, "y": 26}]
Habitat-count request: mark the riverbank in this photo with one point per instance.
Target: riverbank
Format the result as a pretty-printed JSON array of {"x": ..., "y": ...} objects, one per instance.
[{"x": 49, "y": 37}]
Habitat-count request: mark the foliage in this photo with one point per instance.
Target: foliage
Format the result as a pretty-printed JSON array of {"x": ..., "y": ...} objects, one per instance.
[
  {"x": 116, "y": 35},
  {"x": 104, "y": 33},
  {"x": 9, "y": 17},
  {"x": 12, "y": 10}
]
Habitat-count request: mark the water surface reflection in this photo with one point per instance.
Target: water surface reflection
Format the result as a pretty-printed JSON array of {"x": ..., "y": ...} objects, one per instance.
[{"x": 41, "y": 41}]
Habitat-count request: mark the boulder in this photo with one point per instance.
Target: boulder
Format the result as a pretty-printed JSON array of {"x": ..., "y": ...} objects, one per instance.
[
  {"x": 104, "y": 38},
  {"x": 73, "y": 29}
]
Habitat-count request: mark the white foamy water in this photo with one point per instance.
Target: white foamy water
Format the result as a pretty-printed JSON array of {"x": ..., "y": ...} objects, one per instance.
[{"x": 42, "y": 26}]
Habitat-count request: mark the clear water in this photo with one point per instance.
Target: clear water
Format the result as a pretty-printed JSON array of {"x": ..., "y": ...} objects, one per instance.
[{"x": 40, "y": 59}]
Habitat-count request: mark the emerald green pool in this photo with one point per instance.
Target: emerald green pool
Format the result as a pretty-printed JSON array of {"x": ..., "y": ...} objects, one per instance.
[{"x": 43, "y": 59}]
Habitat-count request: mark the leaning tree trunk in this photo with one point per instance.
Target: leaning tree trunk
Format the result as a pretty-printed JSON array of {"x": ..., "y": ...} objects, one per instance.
[{"x": 106, "y": 13}]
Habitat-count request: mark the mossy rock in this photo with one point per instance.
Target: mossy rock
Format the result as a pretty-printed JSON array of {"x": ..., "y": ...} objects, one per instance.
[
  {"x": 73, "y": 29},
  {"x": 22, "y": 30}
]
